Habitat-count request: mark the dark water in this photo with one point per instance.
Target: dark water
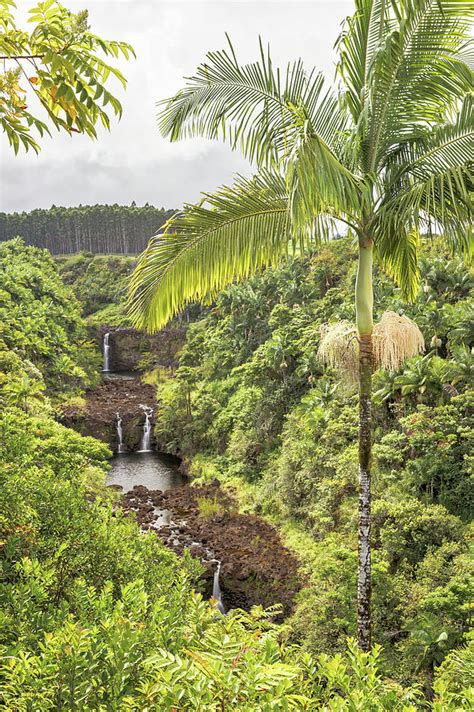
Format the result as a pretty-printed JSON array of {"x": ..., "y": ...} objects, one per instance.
[
  {"x": 119, "y": 375},
  {"x": 151, "y": 469}
]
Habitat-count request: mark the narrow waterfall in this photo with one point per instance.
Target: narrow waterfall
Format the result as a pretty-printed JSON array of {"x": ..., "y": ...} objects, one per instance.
[
  {"x": 120, "y": 445},
  {"x": 106, "y": 347},
  {"x": 145, "y": 444},
  {"x": 216, "y": 588}
]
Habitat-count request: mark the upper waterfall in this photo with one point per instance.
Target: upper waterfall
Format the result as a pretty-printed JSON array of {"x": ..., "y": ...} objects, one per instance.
[{"x": 106, "y": 349}]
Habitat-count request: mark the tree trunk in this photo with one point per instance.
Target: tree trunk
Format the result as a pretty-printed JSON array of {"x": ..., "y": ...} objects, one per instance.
[{"x": 364, "y": 312}]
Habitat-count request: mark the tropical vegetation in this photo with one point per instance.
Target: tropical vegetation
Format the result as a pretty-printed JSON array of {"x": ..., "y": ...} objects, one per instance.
[
  {"x": 95, "y": 613},
  {"x": 272, "y": 392},
  {"x": 252, "y": 405},
  {"x": 99, "y": 282},
  {"x": 387, "y": 153}
]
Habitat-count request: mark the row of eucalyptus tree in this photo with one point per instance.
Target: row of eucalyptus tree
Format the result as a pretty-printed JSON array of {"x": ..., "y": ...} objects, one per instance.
[{"x": 117, "y": 229}]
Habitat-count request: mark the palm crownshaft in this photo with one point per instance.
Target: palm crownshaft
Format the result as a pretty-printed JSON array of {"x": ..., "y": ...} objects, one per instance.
[{"x": 390, "y": 155}]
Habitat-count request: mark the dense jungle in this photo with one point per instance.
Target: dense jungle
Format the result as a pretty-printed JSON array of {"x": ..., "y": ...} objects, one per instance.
[
  {"x": 244, "y": 402},
  {"x": 236, "y": 463}
]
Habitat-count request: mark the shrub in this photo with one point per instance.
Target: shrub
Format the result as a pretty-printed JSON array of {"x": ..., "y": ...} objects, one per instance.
[{"x": 208, "y": 508}]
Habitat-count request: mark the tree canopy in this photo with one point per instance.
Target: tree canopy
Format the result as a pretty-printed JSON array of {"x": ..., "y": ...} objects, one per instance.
[
  {"x": 62, "y": 67},
  {"x": 117, "y": 229}
]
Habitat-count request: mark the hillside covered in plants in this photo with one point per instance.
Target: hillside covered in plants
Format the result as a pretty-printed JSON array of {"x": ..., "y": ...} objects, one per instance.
[
  {"x": 252, "y": 405},
  {"x": 96, "y": 613}
]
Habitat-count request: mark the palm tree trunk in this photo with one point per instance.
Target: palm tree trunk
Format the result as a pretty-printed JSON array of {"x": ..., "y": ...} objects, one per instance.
[{"x": 364, "y": 317}]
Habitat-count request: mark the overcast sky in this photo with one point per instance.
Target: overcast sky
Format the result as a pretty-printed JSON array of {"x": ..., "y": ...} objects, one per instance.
[{"x": 133, "y": 162}]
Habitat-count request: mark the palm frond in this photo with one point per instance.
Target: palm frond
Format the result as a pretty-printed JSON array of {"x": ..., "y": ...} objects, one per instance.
[
  {"x": 418, "y": 73},
  {"x": 358, "y": 43},
  {"x": 254, "y": 107},
  {"x": 398, "y": 254},
  {"x": 448, "y": 147},
  {"x": 230, "y": 235},
  {"x": 320, "y": 184},
  {"x": 430, "y": 186}
]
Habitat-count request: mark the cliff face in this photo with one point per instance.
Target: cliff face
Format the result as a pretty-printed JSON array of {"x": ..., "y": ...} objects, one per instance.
[
  {"x": 129, "y": 352},
  {"x": 131, "y": 349},
  {"x": 98, "y": 417}
]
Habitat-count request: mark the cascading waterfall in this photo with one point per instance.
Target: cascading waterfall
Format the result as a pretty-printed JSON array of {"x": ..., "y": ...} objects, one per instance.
[
  {"x": 216, "y": 588},
  {"x": 106, "y": 348},
  {"x": 145, "y": 444},
  {"x": 120, "y": 446}
]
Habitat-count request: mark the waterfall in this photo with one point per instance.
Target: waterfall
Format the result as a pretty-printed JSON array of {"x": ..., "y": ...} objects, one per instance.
[
  {"x": 120, "y": 446},
  {"x": 145, "y": 444},
  {"x": 216, "y": 588},
  {"x": 106, "y": 352}
]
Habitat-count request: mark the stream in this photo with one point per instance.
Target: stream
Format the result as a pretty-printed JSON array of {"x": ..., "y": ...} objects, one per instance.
[
  {"x": 244, "y": 561},
  {"x": 156, "y": 471}
]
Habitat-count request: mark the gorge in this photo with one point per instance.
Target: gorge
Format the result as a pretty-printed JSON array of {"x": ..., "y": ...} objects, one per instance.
[
  {"x": 154, "y": 489},
  {"x": 254, "y": 499}
]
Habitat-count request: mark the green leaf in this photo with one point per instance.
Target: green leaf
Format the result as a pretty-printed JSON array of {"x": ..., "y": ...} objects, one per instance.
[{"x": 233, "y": 233}]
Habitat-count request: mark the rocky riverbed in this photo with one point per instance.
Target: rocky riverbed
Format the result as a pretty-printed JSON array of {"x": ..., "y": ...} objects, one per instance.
[{"x": 257, "y": 569}]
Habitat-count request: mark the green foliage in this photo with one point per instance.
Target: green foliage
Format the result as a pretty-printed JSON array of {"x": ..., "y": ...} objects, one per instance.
[
  {"x": 98, "y": 282},
  {"x": 455, "y": 680},
  {"x": 84, "y": 595},
  {"x": 248, "y": 404},
  {"x": 42, "y": 326},
  {"x": 124, "y": 655},
  {"x": 208, "y": 507},
  {"x": 202, "y": 244},
  {"x": 96, "y": 614},
  {"x": 61, "y": 63},
  {"x": 439, "y": 453}
]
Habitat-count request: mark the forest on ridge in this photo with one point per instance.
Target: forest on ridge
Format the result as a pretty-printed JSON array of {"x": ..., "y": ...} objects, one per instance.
[{"x": 107, "y": 229}]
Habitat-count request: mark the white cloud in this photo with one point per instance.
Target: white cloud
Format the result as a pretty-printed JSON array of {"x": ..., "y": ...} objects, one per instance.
[{"x": 133, "y": 162}]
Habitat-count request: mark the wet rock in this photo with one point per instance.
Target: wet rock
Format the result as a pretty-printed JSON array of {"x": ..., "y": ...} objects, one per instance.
[
  {"x": 128, "y": 346},
  {"x": 256, "y": 568}
]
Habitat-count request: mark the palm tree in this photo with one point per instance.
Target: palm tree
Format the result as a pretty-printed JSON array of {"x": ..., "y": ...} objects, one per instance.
[{"x": 388, "y": 153}]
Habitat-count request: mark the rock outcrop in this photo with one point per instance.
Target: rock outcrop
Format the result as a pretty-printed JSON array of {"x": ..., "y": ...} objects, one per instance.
[
  {"x": 99, "y": 414},
  {"x": 129, "y": 348}
]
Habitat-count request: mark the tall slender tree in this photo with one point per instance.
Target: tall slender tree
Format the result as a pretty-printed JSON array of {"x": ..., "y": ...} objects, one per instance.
[
  {"x": 389, "y": 152},
  {"x": 99, "y": 228}
]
